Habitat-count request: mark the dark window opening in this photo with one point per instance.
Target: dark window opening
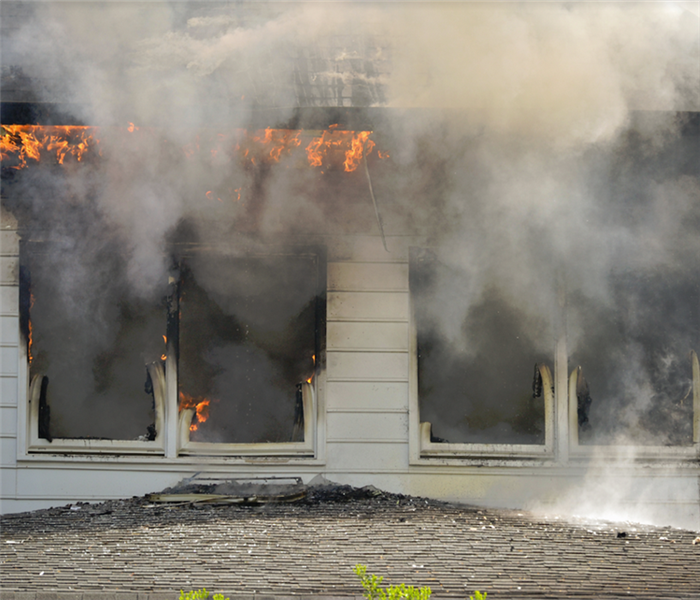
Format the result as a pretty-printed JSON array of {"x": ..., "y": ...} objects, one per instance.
[
  {"x": 635, "y": 383},
  {"x": 479, "y": 389},
  {"x": 89, "y": 353},
  {"x": 250, "y": 335}
]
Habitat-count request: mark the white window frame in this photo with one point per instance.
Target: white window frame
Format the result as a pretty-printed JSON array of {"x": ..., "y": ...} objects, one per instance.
[
  {"x": 172, "y": 426},
  {"x": 306, "y": 449},
  {"x": 424, "y": 452},
  {"x": 77, "y": 445},
  {"x": 29, "y": 390},
  {"x": 641, "y": 452}
]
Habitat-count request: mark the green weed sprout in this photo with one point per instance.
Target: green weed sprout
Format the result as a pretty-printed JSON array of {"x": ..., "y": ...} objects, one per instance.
[
  {"x": 200, "y": 595},
  {"x": 373, "y": 591},
  {"x": 478, "y": 595}
]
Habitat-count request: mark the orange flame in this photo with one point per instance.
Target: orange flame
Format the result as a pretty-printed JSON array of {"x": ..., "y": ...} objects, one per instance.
[
  {"x": 23, "y": 142},
  {"x": 268, "y": 145},
  {"x": 30, "y": 340},
  {"x": 200, "y": 405},
  {"x": 29, "y": 343},
  {"x": 310, "y": 379},
  {"x": 353, "y": 145},
  {"x": 360, "y": 143}
]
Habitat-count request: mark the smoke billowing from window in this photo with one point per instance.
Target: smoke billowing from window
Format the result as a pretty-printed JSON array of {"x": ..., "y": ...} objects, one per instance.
[{"x": 532, "y": 170}]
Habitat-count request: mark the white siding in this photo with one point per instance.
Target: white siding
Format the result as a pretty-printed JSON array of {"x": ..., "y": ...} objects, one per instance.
[
  {"x": 9, "y": 243},
  {"x": 376, "y": 277},
  {"x": 9, "y": 270},
  {"x": 368, "y": 336},
  {"x": 9, "y": 300},
  {"x": 9, "y": 352},
  {"x": 367, "y": 457},
  {"x": 367, "y": 396},
  {"x": 8, "y": 391},
  {"x": 364, "y": 306},
  {"x": 8, "y": 451},
  {"x": 367, "y": 358},
  {"x": 9, "y": 331},
  {"x": 367, "y": 426},
  {"x": 365, "y": 366},
  {"x": 8, "y": 360},
  {"x": 8, "y": 421}
]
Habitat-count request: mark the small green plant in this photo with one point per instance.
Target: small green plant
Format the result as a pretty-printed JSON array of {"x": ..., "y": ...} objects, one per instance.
[
  {"x": 373, "y": 591},
  {"x": 478, "y": 595},
  {"x": 200, "y": 595}
]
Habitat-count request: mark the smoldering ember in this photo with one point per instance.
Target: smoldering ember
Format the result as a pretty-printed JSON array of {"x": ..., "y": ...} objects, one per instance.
[{"x": 448, "y": 250}]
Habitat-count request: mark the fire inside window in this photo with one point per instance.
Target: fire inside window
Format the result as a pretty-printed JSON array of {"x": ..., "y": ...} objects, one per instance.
[
  {"x": 246, "y": 333},
  {"x": 482, "y": 384},
  {"x": 249, "y": 335}
]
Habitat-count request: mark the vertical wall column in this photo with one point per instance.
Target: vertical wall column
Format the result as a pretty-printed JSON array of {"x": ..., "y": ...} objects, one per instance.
[
  {"x": 9, "y": 354},
  {"x": 367, "y": 357}
]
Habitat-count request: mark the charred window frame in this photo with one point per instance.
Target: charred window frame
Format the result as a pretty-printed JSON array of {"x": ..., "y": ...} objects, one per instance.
[
  {"x": 424, "y": 441},
  {"x": 238, "y": 354},
  {"x": 143, "y": 392}
]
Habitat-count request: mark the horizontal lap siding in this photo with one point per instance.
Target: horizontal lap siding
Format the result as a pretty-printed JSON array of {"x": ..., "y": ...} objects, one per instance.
[
  {"x": 362, "y": 457},
  {"x": 367, "y": 361},
  {"x": 375, "y": 277},
  {"x": 9, "y": 355},
  {"x": 9, "y": 300},
  {"x": 367, "y": 396},
  {"x": 8, "y": 421},
  {"x": 368, "y": 336},
  {"x": 368, "y": 307},
  {"x": 8, "y": 391},
  {"x": 373, "y": 426}
]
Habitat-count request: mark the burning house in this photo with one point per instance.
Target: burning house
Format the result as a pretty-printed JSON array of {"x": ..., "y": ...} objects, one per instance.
[{"x": 447, "y": 250}]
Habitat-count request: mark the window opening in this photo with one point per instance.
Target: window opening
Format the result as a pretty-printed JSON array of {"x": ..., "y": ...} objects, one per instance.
[
  {"x": 95, "y": 359},
  {"x": 478, "y": 387},
  {"x": 634, "y": 357},
  {"x": 249, "y": 338}
]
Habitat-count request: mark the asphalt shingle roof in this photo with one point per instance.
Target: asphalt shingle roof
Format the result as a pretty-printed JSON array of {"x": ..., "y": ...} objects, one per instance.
[{"x": 153, "y": 550}]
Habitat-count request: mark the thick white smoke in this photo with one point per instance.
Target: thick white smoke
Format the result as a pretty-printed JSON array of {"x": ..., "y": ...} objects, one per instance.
[{"x": 519, "y": 169}]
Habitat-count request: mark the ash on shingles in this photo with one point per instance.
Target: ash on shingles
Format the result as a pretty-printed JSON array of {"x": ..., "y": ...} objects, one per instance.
[{"x": 319, "y": 490}]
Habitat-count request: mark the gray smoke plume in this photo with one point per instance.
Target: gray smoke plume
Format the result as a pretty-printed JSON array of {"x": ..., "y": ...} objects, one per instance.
[{"x": 534, "y": 146}]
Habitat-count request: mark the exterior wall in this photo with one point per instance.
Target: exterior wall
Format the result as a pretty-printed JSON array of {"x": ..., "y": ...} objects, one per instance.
[
  {"x": 9, "y": 346},
  {"x": 364, "y": 416}
]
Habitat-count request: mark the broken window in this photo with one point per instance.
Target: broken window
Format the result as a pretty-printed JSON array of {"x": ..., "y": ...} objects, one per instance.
[
  {"x": 94, "y": 355},
  {"x": 481, "y": 370},
  {"x": 250, "y": 334}
]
